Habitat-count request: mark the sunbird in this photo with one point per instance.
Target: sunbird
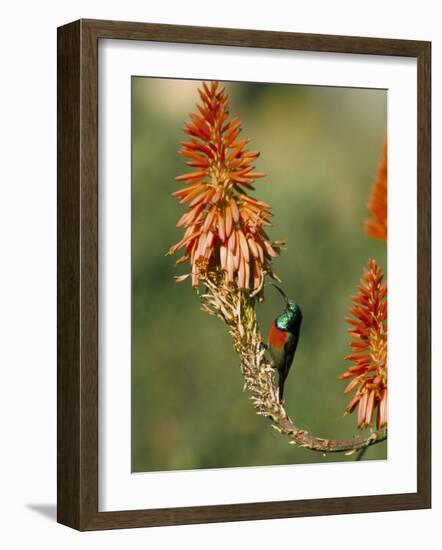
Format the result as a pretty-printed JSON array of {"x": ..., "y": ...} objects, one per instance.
[{"x": 283, "y": 339}]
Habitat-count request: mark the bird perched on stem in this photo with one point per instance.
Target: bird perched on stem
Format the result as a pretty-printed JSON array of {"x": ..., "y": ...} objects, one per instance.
[{"x": 283, "y": 339}]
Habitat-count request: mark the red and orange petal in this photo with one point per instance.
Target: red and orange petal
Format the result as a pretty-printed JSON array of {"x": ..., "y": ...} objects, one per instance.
[
  {"x": 223, "y": 224},
  {"x": 376, "y": 226},
  {"x": 368, "y": 372}
]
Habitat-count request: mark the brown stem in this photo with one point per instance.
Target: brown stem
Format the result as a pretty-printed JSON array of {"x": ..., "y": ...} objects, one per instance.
[
  {"x": 304, "y": 439},
  {"x": 237, "y": 310}
]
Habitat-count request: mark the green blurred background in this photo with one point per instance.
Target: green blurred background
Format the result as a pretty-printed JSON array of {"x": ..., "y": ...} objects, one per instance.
[{"x": 319, "y": 148}]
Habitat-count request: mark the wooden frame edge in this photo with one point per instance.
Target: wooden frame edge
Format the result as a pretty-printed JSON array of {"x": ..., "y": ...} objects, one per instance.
[
  {"x": 68, "y": 274},
  {"x": 424, "y": 273}
]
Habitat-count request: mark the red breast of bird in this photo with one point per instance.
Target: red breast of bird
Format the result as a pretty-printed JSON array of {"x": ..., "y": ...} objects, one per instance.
[{"x": 277, "y": 339}]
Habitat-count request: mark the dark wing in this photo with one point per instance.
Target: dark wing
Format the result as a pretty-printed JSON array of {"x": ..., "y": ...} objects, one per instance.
[{"x": 290, "y": 349}]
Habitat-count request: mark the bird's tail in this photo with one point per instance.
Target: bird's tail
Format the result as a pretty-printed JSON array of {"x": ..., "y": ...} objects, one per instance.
[{"x": 281, "y": 389}]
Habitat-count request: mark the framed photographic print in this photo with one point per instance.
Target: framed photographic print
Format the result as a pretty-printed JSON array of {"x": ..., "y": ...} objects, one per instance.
[{"x": 231, "y": 204}]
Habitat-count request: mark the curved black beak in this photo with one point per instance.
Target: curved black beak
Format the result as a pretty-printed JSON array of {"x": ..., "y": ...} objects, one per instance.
[{"x": 280, "y": 291}]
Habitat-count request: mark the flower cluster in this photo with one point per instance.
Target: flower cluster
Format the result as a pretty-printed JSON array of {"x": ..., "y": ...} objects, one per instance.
[
  {"x": 376, "y": 226},
  {"x": 224, "y": 226},
  {"x": 368, "y": 373}
]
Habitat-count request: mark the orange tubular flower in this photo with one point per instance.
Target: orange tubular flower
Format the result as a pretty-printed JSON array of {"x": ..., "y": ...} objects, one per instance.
[
  {"x": 376, "y": 226},
  {"x": 368, "y": 373},
  {"x": 224, "y": 225}
]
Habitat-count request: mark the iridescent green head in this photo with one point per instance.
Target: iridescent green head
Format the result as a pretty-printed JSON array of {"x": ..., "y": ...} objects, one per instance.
[{"x": 290, "y": 319}]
